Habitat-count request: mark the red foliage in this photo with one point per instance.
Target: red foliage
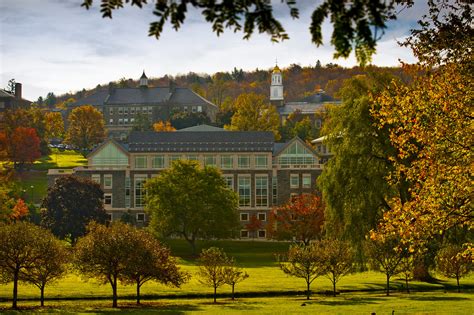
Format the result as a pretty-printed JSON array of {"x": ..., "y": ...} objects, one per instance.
[
  {"x": 23, "y": 146},
  {"x": 20, "y": 210},
  {"x": 302, "y": 218},
  {"x": 254, "y": 224}
]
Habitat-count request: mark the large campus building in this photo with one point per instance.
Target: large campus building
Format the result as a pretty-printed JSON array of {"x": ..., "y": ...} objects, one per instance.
[
  {"x": 262, "y": 172},
  {"x": 121, "y": 106}
]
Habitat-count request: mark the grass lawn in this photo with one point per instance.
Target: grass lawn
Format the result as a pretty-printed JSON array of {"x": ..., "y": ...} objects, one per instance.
[
  {"x": 267, "y": 290},
  {"x": 34, "y": 183}
]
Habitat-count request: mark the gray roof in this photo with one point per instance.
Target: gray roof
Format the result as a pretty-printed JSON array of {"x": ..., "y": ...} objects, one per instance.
[
  {"x": 317, "y": 98},
  {"x": 201, "y": 141},
  {"x": 144, "y": 95},
  {"x": 4, "y": 93},
  {"x": 277, "y": 147},
  {"x": 304, "y": 108},
  {"x": 202, "y": 128}
]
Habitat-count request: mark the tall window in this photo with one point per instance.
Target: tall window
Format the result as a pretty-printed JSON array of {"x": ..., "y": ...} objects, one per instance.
[
  {"x": 274, "y": 191},
  {"x": 209, "y": 160},
  {"x": 261, "y": 161},
  {"x": 306, "y": 180},
  {"x": 227, "y": 162},
  {"x": 108, "y": 181},
  {"x": 127, "y": 192},
  {"x": 140, "y": 162},
  {"x": 294, "y": 181},
  {"x": 261, "y": 191},
  {"x": 229, "y": 180},
  {"x": 243, "y": 161},
  {"x": 158, "y": 162},
  {"x": 139, "y": 191},
  {"x": 108, "y": 199},
  {"x": 96, "y": 178},
  {"x": 296, "y": 154},
  {"x": 244, "y": 191}
]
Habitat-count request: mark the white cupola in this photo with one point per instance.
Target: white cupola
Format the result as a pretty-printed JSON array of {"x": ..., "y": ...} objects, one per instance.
[{"x": 276, "y": 87}]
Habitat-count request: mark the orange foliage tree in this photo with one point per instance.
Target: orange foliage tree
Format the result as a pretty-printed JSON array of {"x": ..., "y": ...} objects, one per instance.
[
  {"x": 254, "y": 225},
  {"x": 21, "y": 147},
  {"x": 20, "y": 210},
  {"x": 301, "y": 218},
  {"x": 160, "y": 126}
]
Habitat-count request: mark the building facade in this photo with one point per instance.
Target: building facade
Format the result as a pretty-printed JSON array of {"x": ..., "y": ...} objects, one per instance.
[
  {"x": 263, "y": 173},
  {"x": 121, "y": 106},
  {"x": 9, "y": 101}
]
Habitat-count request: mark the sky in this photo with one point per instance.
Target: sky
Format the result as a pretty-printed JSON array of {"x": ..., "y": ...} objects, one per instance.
[{"x": 57, "y": 46}]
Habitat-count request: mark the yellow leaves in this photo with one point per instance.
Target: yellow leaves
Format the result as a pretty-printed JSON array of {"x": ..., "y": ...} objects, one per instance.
[{"x": 163, "y": 126}]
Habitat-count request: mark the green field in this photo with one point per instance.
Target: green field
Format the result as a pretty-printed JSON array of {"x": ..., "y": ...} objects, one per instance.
[{"x": 267, "y": 290}]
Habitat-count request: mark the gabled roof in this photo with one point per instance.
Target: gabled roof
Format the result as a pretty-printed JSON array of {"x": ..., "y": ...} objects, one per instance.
[
  {"x": 122, "y": 147},
  {"x": 202, "y": 128},
  {"x": 4, "y": 94},
  {"x": 201, "y": 141},
  {"x": 282, "y": 146}
]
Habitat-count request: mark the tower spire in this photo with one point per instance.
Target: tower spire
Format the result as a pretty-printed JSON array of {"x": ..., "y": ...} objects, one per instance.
[{"x": 143, "y": 80}]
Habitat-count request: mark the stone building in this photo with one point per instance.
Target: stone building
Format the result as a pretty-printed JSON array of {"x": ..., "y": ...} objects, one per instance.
[
  {"x": 120, "y": 106},
  {"x": 262, "y": 172},
  {"x": 9, "y": 101}
]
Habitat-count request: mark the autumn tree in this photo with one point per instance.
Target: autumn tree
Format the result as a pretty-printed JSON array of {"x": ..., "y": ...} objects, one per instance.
[
  {"x": 50, "y": 265},
  {"x": 407, "y": 267},
  {"x": 213, "y": 264},
  {"x": 163, "y": 126},
  {"x": 302, "y": 261},
  {"x": 452, "y": 262},
  {"x": 253, "y": 113},
  {"x": 150, "y": 260},
  {"x": 234, "y": 275},
  {"x": 86, "y": 128},
  {"x": 191, "y": 202},
  {"x": 21, "y": 245},
  {"x": 385, "y": 255},
  {"x": 301, "y": 218},
  {"x": 336, "y": 259},
  {"x": 19, "y": 211},
  {"x": 70, "y": 204},
  {"x": 254, "y": 225},
  {"x": 54, "y": 125},
  {"x": 21, "y": 147}
]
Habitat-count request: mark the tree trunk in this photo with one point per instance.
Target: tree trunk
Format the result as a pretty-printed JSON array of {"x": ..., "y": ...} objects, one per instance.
[
  {"x": 138, "y": 292},
  {"x": 308, "y": 293},
  {"x": 233, "y": 285},
  {"x": 42, "y": 295},
  {"x": 457, "y": 280},
  {"x": 388, "y": 285},
  {"x": 406, "y": 282},
  {"x": 334, "y": 287},
  {"x": 215, "y": 293},
  {"x": 15, "y": 288},
  {"x": 114, "y": 292}
]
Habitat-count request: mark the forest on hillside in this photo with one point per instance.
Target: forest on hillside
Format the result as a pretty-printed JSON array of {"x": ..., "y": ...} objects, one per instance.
[{"x": 223, "y": 88}]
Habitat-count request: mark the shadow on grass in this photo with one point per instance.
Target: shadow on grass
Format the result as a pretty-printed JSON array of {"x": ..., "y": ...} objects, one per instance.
[
  {"x": 437, "y": 298},
  {"x": 348, "y": 301}
]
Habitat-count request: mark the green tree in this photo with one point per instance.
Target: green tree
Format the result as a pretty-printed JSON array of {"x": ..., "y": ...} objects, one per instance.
[
  {"x": 452, "y": 262},
  {"x": 11, "y": 86},
  {"x": 302, "y": 262},
  {"x": 50, "y": 265},
  {"x": 192, "y": 202},
  {"x": 70, "y": 204},
  {"x": 142, "y": 123},
  {"x": 180, "y": 120},
  {"x": 21, "y": 245},
  {"x": 234, "y": 275},
  {"x": 150, "y": 260},
  {"x": 213, "y": 265},
  {"x": 353, "y": 182},
  {"x": 86, "y": 128},
  {"x": 252, "y": 112},
  {"x": 336, "y": 259}
]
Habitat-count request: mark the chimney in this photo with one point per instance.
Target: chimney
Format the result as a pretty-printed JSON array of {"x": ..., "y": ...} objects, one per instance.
[
  {"x": 172, "y": 86},
  {"x": 18, "y": 90}
]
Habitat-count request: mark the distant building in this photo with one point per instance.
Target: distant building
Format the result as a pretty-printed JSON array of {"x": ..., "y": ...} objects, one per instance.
[
  {"x": 307, "y": 106},
  {"x": 262, "y": 172},
  {"x": 120, "y": 106},
  {"x": 9, "y": 101}
]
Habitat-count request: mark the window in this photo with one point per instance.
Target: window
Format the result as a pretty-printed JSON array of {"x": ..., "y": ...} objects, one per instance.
[
  {"x": 294, "y": 181},
  {"x": 139, "y": 191},
  {"x": 227, "y": 162},
  {"x": 132, "y": 110},
  {"x": 193, "y": 109},
  {"x": 125, "y": 110},
  {"x": 244, "y": 217},
  {"x": 306, "y": 180},
  {"x": 274, "y": 191},
  {"x": 120, "y": 121},
  {"x": 244, "y": 234},
  {"x": 210, "y": 160},
  {"x": 262, "y": 233},
  {"x": 193, "y": 157},
  {"x": 108, "y": 199},
  {"x": 296, "y": 154},
  {"x": 185, "y": 108},
  {"x": 243, "y": 161},
  {"x": 261, "y": 190},
  {"x": 111, "y": 121},
  {"x": 199, "y": 109},
  {"x": 120, "y": 110},
  {"x": 125, "y": 121},
  {"x": 96, "y": 178},
  {"x": 262, "y": 216},
  {"x": 150, "y": 110},
  {"x": 229, "y": 180},
  {"x": 140, "y": 162},
  {"x": 111, "y": 111},
  {"x": 158, "y": 162},
  {"x": 127, "y": 192},
  {"x": 108, "y": 181},
  {"x": 132, "y": 120},
  {"x": 109, "y": 217},
  {"x": 261, "y": 161},
  {"x": 140, "y": 217},
  {"x": 244, "y": 191}
]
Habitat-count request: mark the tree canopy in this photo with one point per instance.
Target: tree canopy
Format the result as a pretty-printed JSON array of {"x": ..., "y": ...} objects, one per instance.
[
  {"x": 86, "y": 127},
  {"x": 192, "y": 202}
]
